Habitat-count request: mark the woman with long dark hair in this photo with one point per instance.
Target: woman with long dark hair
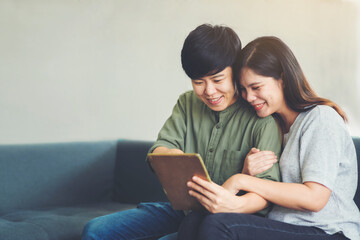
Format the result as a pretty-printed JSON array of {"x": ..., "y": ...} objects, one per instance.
[{"x": 318, "y": 163}]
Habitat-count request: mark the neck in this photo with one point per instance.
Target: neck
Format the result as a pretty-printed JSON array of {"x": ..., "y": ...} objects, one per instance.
[
  {"x": 235, "y": 98},
  {"x": 288, "y": 116}
]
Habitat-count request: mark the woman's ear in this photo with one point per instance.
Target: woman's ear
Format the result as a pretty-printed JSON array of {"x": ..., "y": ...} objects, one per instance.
[{"x": 282, "y": 81}]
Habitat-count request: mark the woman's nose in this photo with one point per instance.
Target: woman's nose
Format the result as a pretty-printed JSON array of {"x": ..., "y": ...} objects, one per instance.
[{"x": 249, "y": 96}]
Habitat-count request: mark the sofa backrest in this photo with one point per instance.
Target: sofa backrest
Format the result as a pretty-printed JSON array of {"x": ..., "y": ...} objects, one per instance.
[
  {"x": 144, "y": 186},
  {"x": 61, "y": 174},
  {"x": 134, "y": 181},
  {"x": 133, "y": 154}
]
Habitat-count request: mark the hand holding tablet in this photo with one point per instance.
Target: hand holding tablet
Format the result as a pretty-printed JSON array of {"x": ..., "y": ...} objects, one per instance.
[{"x": 174, "y": 171}]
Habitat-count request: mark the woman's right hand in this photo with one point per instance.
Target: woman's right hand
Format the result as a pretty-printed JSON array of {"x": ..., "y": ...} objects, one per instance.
[{"x": 257, "y": 161}]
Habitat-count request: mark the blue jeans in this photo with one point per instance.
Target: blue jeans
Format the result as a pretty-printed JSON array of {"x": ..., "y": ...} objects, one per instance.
[
  {"x": 147, "y": 221},
  {"x": 201, "y": 225}
]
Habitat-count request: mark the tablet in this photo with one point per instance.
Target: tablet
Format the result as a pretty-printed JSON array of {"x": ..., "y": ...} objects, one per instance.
[{"x": 173, "y": 172}]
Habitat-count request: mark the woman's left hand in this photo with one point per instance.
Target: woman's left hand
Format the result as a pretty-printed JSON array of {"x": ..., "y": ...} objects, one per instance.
[{"x": 214, "y": 197}]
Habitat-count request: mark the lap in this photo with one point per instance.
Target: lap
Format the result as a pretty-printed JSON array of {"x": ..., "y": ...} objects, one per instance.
[
  {"x": 172, "y": 236},
  {"x": 189, "y": 226},
  {"x": 245, "y": 226},
  {"x": 147, "y": 221}
]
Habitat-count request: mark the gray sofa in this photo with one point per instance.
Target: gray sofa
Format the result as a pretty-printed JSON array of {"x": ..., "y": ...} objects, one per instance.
[{"x": 50, "y": 191}]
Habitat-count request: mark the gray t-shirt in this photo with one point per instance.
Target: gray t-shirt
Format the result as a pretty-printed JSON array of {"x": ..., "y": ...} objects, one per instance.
[{"x": 318, "y": 148}]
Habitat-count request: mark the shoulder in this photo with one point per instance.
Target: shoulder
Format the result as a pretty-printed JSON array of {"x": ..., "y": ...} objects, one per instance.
[
  {"x": 323, "y": 111},
  {"x": 188, "y": 93},
  {"x": 189, "y": 102},
  {"x": 323, "y": 120},
  {"x": 189, "y": 96},
  {"x": 323, "y": 115}
]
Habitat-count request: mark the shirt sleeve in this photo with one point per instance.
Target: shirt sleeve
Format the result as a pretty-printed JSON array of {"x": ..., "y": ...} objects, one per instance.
[
  {"x": 172, "y": 134},
  {"x": 321, "y": 147},
  {"x": 267, "y": 137}
]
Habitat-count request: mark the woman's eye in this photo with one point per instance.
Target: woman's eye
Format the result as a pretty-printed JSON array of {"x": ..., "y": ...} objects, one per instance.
[
  {"x": 197, "y": 83},
  {"x": 255, "y": 88},
  {"x": 217, "y": 81}
]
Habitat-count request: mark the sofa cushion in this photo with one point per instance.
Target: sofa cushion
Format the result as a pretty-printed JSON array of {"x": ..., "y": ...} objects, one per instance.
[{"x": 54, "y": 223}]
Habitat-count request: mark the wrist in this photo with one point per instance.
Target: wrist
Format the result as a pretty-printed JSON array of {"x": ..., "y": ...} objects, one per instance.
[
  {"x": 237, "y": 182},
  {"x": 245, "y": 171},
  {"x": 242, "y": 180},
  {"x": 240, "y": 204}
]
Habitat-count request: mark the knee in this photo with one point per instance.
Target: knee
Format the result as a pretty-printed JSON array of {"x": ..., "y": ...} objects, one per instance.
[
  {"x": 190, "y": 224},
  {"x": 227, "y": 226},
  {"x": 222, "y": 226},
  {"x": 93, "y": 230},
  {"x": 213, "y": 227}
]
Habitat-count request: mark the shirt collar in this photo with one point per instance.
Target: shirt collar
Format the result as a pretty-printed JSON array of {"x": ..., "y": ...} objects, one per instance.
[{"x": 223, "y": 115}]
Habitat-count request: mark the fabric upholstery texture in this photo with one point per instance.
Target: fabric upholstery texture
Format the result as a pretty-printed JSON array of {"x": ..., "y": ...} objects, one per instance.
[
  {"x": 54, "y": 223},
  {"x": 134, "y": 181},
  {"x": 50, "y": 191},
  {"x": 64, "y": 174}
]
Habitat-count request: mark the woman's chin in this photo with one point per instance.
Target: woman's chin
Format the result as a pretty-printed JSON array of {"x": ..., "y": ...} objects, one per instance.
[{"x": 262, "y": 114}]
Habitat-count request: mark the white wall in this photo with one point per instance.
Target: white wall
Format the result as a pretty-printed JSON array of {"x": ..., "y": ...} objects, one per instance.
[{"x": 91, "y": 70}]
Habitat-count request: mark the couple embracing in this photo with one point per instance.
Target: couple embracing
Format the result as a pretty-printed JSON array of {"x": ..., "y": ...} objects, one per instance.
[{"x": 247, "y": 106}]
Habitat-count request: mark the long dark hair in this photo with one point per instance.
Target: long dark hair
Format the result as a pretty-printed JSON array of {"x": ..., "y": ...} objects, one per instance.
[{"x": 271, "y": 57}]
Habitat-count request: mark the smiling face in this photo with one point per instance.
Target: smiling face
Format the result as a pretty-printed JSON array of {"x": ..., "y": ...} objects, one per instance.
[
  {"x": 265, "y": 94},
  {"x": 216, "y": 91}
]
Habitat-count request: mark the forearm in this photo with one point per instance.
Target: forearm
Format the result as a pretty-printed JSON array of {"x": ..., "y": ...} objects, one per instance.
[
  {"x": 167, "y": 150},
  {"x": 296, "y": 196},
  {"x": 251, "y": 203}
]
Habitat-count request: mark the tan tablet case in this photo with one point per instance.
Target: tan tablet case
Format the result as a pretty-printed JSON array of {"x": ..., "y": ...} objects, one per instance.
[{"x": 174, "y": 171}]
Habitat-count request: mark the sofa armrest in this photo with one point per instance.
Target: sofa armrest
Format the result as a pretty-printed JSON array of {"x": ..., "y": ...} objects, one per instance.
[{"x": 134, "y": 181}]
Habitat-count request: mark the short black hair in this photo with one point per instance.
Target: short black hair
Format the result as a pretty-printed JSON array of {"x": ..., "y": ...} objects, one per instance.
[{"x": 208, "y": 50}]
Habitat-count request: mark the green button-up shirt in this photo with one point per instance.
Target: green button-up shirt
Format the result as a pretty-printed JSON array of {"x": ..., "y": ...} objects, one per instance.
[{"x": 223, "y": 139}]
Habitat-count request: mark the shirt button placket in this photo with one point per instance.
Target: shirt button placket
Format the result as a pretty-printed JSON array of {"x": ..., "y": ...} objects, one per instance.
[{"x": 213, "y": 168}]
